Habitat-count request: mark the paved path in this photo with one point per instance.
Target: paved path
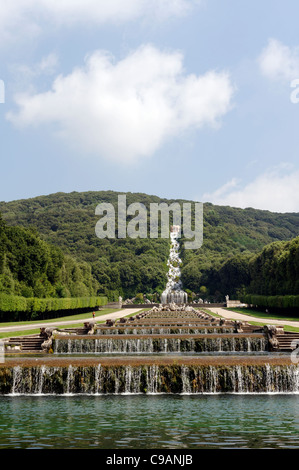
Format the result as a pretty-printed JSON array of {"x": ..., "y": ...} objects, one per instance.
[
  {"x": 33, "y": 326},
  {"x": 242, "y": 317}
]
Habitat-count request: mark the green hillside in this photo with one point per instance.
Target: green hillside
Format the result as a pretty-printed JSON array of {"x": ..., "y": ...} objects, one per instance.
[
  {"x": 128, "y": 266},
  {"x": 31, "y": 267}
]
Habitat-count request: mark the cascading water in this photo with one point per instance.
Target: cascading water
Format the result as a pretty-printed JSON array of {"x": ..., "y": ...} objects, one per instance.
[
  {"x": 171, "y": 349},
  {"x": 161, "y": 344},
  {"x": 153, "y": 379},
  {"x": 164, "y": 330},
  {"x": 173, "y": 292}
]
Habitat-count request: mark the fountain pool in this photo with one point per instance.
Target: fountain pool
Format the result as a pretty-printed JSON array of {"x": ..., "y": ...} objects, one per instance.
[{"x": 150, "y": 422}]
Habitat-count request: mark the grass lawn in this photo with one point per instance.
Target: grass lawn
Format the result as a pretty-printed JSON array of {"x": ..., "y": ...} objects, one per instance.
[
  {"x": 286, "y": 328},
  {"x": 83, "y": 316},
  {"x": 18, "y": 333},
  {"x": 253, "y": 313},
  {"x": 260, "y": 314},
  {"x": 206, "y": 310}
]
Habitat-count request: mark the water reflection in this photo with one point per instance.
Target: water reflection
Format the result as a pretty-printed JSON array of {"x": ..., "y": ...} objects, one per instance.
[{"x": 138, "y": 422}]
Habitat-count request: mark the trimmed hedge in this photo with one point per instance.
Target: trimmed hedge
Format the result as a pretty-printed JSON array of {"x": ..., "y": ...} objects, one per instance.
[
  {"x": 13, "y": 303},
  {"x": 272, "y": 301}
]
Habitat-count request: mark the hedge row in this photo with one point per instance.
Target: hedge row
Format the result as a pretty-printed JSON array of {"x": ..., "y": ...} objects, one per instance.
[
  {"x": 274, "y": 301},
  {"x": 13, "y": 303}
]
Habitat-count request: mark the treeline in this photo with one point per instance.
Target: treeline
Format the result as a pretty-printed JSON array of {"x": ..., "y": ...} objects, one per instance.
[
  {"x": 120, "y": 266},
  {"x": 232, "y": 237},
  {"x": 30, "y": 267},
  {"x": 272, "y": 272},
  {"x": 273, "y": 302},
  {"x": 275, "y": 271},
  {"x": 132, "y": 266}
]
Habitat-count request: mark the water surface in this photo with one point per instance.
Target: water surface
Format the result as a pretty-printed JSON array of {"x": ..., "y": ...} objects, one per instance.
[{"x": 149, "y": 422}]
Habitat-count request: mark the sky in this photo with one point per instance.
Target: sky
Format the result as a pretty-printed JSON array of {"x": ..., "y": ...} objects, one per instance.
[{"x": 188, "y": 99}]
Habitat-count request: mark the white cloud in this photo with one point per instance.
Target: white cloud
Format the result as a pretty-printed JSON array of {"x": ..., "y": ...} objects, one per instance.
[
  {"x": 15, "y": 21},
  {"x": 126, "y": 110},
  {"x": 114, "y": 10},
  {"x": 275, "y": 190},
  {"x": 47, "y": 66},
  {"x": 19, "y": 18},
  {"x": 24, "y": 76},
  {"x": 279, "y": 62}
]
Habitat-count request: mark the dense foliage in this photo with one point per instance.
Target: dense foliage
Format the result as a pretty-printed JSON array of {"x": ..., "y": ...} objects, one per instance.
[
  {"x": 31, "y": 267},
  {"x": 231, "y": 237},
  {"x": 275, "y": 271},
  {"x": 223, "y": 265},
  {"x": 16, "y": 308},
  {"x": 273, "y": 302}
]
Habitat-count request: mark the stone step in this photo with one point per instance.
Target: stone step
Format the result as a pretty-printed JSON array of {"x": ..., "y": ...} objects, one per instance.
[
  {"x": 27, "y": 343},
  {"x": 290, "y": 333},
  {"x": 285, "y": 342},
  {"x": 26, "y": 338}
]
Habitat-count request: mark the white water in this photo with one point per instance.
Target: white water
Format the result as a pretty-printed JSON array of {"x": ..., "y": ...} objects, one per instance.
[
  {"x": 174, "y": 288},
  {"x": 158, "y": 345},
  {"x": 98, "y": 380}
]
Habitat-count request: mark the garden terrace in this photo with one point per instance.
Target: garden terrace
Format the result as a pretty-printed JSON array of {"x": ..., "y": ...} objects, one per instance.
[
  {"x": 172, "y": 314},
  {"x": 135, "y": 361},
  {"x": 142, "y": 330},
  {"x": 173, "y": 321}
]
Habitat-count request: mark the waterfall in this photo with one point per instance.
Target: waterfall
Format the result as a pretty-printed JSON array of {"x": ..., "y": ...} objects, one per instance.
[
  {"x": 186, "y": 386},
  {"x": 132, "y": 380},
  {"x": 70, "y": 380},
  {"x": 164, "y": 330},
  {"x": 152, "y": 379},
  {"x": 173, "y": 292},
  {"x": 17, "y": 379},
  {"x": 97, "y": 378},
  {"x": 40, "y": 382},
  {"x": 158, "y": 344}
]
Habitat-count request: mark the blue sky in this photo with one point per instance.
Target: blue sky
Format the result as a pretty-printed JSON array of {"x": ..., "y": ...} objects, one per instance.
[{"x": 177, "y": 98}]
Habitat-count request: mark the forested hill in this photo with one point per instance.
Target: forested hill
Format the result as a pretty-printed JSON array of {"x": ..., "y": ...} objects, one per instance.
[
  {"x": 68, "y": 221},
  {"x": 31, "y": 267}
]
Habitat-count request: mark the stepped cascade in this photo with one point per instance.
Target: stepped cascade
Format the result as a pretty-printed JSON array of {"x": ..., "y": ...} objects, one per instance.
[
  {"x": 174, "y": 292},
  {"x": 171, "y": 348},
  {"x": 168, "y": 349}
]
